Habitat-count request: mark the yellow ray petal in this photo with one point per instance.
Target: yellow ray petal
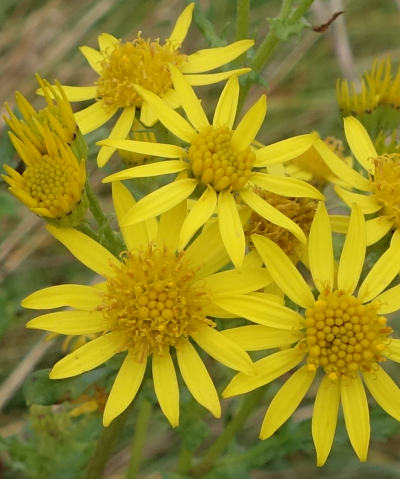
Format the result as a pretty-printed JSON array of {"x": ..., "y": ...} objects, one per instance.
[
  {"x": 201, "y": 211},
  {"x": 207, "y": 252},
  {"x": 93, "y": 57},
  {"x": 284, "y": 150},
  {"x": 135, "y": 236},
  {"x": 377, "y": 228},
  {"x": 171, "y": 97},
  {"x": 258, "y": 337},
  {"x": 151, "y": 169},
  {"x": 93, "y": 117},
  {"x": 181, "y": 26},
  {"x": 286, "y": 401},
  {"x": 88, "y": 356},
  {"x": 320, "y": 250},
  {"x": 360, "y": 143},
  {"x": 225, "y": 110},
  {"x": 367, "y": 203},
  {"x": 107, "y": 42},
  {"x": 170, "y": 225},
  {"x": 211, "y": 78},
  {"x": 166, "y": 386},
  {"x": 231, "y": 228},
  {"x": 210, "y": 58},
  {"x": 72, "y": 322},
  {"x": 339, "y": 223},
  {"x": 380, "y": 275},
  {"x": 267, "y": 369},
  {"x": 168, "y": 117},
  {"x": 77, "y": 93},
  {"x": 119, "y": 132},
  {"x": 237, "y": 282},
  {"x": 189, "y": 101},
  {"x": 73, "y": 295},
  {"x": 260, "y": 310},
  {"x": 283, "y": 271},
  {"x": 197, "y": 379},
  {"x": 340, "y": 168},
  {"x": 124, "y": 389},
  {"x": 249, "y": 125},
  {"x": 272, "y": 214},
  {"x": 324, "y": 418},
  {"x": 286, "y": 186},
  {"x": 384, "y": 390},
  {"x": 159, "y": 201},
  {"x": 389, "y": 299},
  {"x": 147, "y": 115},
  {"x": 86, "y": 250},
  {"x": 356, "y": 415},
  {"x": 223, "y": 350},
  {"x": 393, "y": 352},
  {"x": 353, "y": 252}
]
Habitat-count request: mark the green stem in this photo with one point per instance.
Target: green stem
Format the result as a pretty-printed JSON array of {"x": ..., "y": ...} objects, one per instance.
[
  {"x": 184, "y": 460},
  {"x": 104, "y": 448},
  {"x": 142, "y": 423},
  {"x": 87, "y": 230},
  {"x": 242, "y": 19},
  {"x": 110, "y": 241},
  {"x": 206, "y": 27},
  {"x": 250, "y": 401}
]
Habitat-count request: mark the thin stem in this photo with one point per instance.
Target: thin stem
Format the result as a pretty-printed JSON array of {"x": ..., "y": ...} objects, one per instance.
[
  {"x": 85, "y": 228},
  {"x": 104, "y": 448},
  {"x": 142, "y": 423},
  {"x": 242, "y": 19},
  {"x": 184, "y": 460},
  {"x": 206, "y": 27},
  {"x": 219, "y": 445}
]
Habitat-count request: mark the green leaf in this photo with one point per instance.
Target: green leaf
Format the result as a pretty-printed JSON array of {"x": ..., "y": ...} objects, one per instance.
[{"x": 285, "y": 28}]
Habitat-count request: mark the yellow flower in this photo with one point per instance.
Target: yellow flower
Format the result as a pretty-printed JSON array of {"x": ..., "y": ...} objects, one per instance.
[
  {"x": 138, "y": 133},
  {"x": 221, "y": 160},
  {"x": 144, "y": 62},
  {"x": 343, "y": 336},
  {"x": 154, "y": 299},
  {"x": 382, "y": 186}
]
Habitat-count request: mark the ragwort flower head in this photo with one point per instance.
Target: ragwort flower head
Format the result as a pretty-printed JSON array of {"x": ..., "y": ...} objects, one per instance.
[
  {"x": 154, "y": 299},
  {"x": 344, "y": 336},
  {"x": 121, "y": 65},
  {"x": 220, "y": 160}
]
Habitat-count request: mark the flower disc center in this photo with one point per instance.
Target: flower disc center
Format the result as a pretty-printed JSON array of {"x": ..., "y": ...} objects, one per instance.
[{"x": 386, "y": 185}]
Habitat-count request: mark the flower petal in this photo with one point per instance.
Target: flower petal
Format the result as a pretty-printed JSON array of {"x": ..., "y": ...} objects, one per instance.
[
  {"x": 166, "y": 386},
  {"x": 340, "y": 168},
  {"x": 125, "y": 388},
  {"x": 88, "y": 356},
  {"x": 170, "y": 225},
  {"x": 320, "y": 250},
  {"x": 148, "y": 117},
  {"x": 223, "y": 350},
  {"x": 225, "y": 111},
  {"x": 189, "y": 101},
  {"x": 201, "y": 211},
  {"x": 237, "y": 282},
  {"x": 231, "y": 228},
  {"x": 157, "y": 168},
  {"x": 283, "y": 271},
  {"x": 160, "y": 200},
  {"x": 119, "y": 132},
  {"x": 93, "y": 57},
  {"x": 286, "y": 401},
  {"x": 353, "y": 252},
  {"x": 324, "y": 418},
  {"x": 88, "y": 251},
  {"x": 78, "y": 93},
  {"x": 380, "y": 275},
  {"x": 384, "y": 390},
  {"x": 377, "y": 228},
  {"x": 272, "y": 214},
  {"x": 258, "y": 337},
  {"x": 94, "y": 116},
  {"x": 339, "y": 223},
  {"x": 210, "y": 58},
  {"x": 367, "y": 203},
  {"x": 72, "y": 322},
  {"x": 286, "y": 186},
  {"x": 249, "y": 125},
  {"x": 389, "y": 300},
  {"x": 260, "y": 310},
  {"x": 197, "y": 379},
  {"x": 181, "y": 26},
  {"x": 211, "y": 78},
  {"x": 174, "y": 122},
  {"x": 73, "y": 295},
  {"x": 107, "y": 42},
  {"x": 284, "y": 150},
  {"x": 360, "y": 143},
  {"x": 393, "y": 351},
  {"x": 267, "y": 369}
]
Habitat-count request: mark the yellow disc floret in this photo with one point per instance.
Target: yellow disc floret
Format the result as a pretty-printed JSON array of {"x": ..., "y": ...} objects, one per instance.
[
  {"x": 142, "y": 62},
  {"x": 386, "y": 185},
  {"x": 154, "y": 301},
  {"x": 345, "y": 336},
  {"x": 215, "y": 162}
]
